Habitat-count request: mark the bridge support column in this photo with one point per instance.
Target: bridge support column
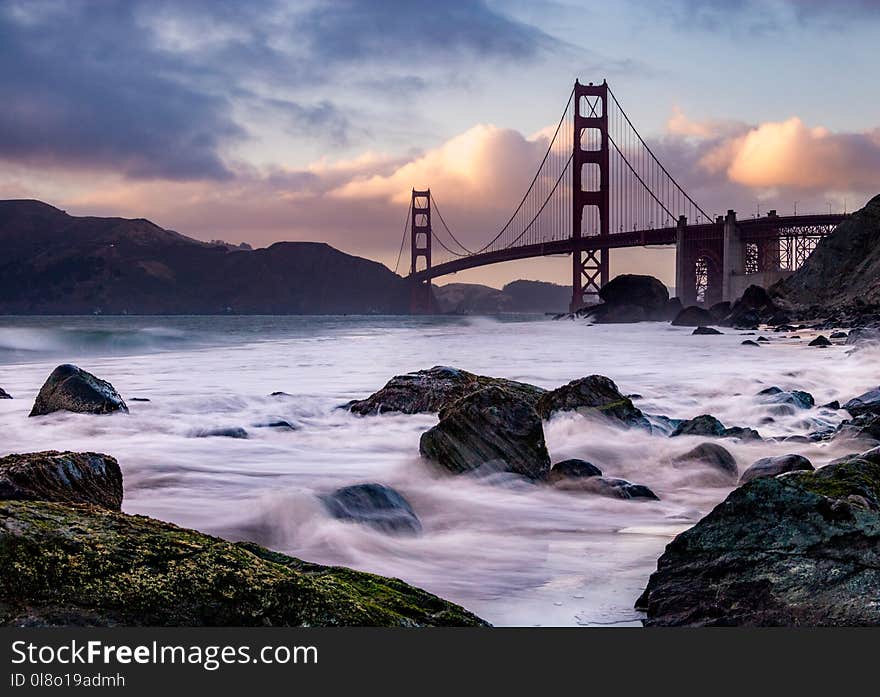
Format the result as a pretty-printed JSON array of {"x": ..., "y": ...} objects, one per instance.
[
  {"x": 591, "y": 149},
  {"x": 685, "y": 271},
  {"x": 421, "y": 300},
  {"x": 733, "y": 258}
]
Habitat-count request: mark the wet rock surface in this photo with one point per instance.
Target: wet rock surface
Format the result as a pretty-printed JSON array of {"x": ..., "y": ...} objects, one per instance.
[
  {"x": 774, "y": 466},
  {"x": 801, "y": 549},
  {"x": 706, "y": 331},
  {"x": 4, "y": 394},
  {"x": 867, "y": 403},
  {"x": 572, "y": 469},
  {"x": 430, "y": 390},
  {"x": 708, "y": 425},
  {"x": 491, "y": 430},
  {"x": 375, "y": 505},
  {"x": 595, "y": 394},
  {"x": 64, "y": 477},
  {"x": 611, "y": 488},
  {"x": 710, "y": 454},
  {"x": 69, "y": 388},
  {"x": 693, "y": 316}
]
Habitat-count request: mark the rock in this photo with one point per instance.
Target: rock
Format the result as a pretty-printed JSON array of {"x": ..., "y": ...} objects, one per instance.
[
  {"x": 62, "y": 477},
  {"x": 4, "y": 394},
  {"x": 375, "y": 505},
  {"x": 705, "y": 330},
  {"x": 492, "y": 430},
  {"x": 87, "y": 566},
  {"x": 869, "y": 402},
  {"x": 710, "y": 454},
  {"x": 754, "y": 306},
  {"x": 611, "y": 487},
  {"x": 784, "y": 403},
  {"x": 693, "y": 316},
  {"x": 430, "y": 390},
  {"x": 280, "y": 394},
  {"x": 863, "y": 335},
  {"x": 763, "y": 339},
  {"x": 572, "y": 469},
  {"x": 833, "y": 405},
  {"x": 720, "y": 310},
  {"x": 862, "y": 427},
  {"x": 772, "y": 466},
  {"x": 231, "y": 432},
  {"x": 631, "y": 289},
  {"x": 617, "y": 314},
  {"x": 708, "y": 425},
  {"x": 594, "y": 394},
  {"x": 749, "y": 342},
  {"x": 797, "y": 550},
  {"x": 741, "y": 433},
  {"x": 70, "y": 388},
  {"x": 670, "y": 312},
  {"x": 280, "y": 424},
  {"x": 138, "y": 399},
  {"x": 820, "y": 341},
  {"x": 703, "y": 425},
  {"x": 838, "y": 335}
]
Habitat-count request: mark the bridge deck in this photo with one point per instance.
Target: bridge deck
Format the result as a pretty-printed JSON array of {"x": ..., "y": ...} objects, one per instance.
[{"x": 751, "y": 228}]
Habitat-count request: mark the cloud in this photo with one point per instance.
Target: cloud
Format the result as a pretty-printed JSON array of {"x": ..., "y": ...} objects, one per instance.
[
  {"x": 791, "y": 154},
  {"x": 159, "y": 89}
]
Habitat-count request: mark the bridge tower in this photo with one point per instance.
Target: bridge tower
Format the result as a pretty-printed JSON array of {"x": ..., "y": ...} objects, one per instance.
[
  {"x": 590, "y": 260},
  {"x": 421, "y": 296}
]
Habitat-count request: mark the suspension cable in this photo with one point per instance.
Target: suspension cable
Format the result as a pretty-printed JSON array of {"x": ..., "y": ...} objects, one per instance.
[
  {"x": 534, "y": 179},
  {"x": 440, "y": 215},
  {"x": 403, "y": 239},
  {"x": 660, "y": 164}
]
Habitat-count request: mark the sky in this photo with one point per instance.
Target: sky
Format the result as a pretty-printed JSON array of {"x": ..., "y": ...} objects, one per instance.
[{"x": 274, "y": 120}]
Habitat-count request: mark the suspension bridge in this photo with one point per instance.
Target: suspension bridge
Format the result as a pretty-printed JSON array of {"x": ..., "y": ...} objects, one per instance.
[{"x": 600, "y": 187}]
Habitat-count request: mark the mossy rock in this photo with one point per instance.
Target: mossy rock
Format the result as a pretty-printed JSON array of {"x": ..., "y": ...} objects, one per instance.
[{"x": 83, "y": 565}]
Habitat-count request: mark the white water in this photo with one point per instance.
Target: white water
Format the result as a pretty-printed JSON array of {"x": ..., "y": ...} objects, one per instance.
[{"x": 514, "y": 553}]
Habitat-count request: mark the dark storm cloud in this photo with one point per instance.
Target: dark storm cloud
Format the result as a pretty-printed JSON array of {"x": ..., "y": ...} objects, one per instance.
[
  {"x": 148, "y": 89},
  {"x": 351, "y": 30}
]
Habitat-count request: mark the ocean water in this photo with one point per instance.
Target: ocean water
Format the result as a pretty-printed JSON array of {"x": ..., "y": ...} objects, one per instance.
[{"x": 514, "y": 553}]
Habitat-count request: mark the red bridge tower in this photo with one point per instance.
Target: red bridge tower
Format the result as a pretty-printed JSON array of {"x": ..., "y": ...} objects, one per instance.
[
  {"x": 590, "y": 191},
  {"x": 421, "y": 296}
]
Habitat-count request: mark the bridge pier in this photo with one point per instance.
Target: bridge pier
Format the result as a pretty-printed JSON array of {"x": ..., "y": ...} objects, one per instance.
[
  {"x": 733, "y": 258},
  {"x": 685, "y": 271},
  {"x": 421, "y": 297}
]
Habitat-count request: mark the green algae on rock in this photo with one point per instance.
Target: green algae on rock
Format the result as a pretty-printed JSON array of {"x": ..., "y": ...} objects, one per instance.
[
  {"x": 79, "y": 564},
  {"x": 799, "y": 549}
]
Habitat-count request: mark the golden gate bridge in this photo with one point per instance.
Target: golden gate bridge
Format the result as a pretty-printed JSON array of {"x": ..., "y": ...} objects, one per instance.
[{"x": 600, "y": 187}]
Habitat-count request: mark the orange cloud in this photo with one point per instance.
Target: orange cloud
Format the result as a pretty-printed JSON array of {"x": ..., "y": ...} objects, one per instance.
[{"x": 791, "y": 154}]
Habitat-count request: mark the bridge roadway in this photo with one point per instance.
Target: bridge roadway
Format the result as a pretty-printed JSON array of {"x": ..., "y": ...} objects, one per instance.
[{"x": 750, "y": 229}]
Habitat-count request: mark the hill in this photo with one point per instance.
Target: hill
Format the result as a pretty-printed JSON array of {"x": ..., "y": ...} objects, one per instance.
[
  {"x": 54, "y": 263},
  {"x": 516, "y": 297},
  {"x": 842, "y": 275}
]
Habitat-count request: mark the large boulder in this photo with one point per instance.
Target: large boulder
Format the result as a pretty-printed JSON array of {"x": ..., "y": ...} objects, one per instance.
[
  {"x": 63, "y": 477},
  {"x": 69, "y": 388},
  {"x": 781, "y": 402},
  {"x": 4, "y": 394},
  {"x": 488, "y": 430},
  {"x": 375, "y": 505},
  {"x": 802, "y": 549},
  {"x": 594, "y": 394},
  {"x": 693, "y": 316},
  {"x": 867, "y": 403},
  {"x": 774, "y": 466},
  {"x": 646, "y": 292},
  {"x": 84, "y": 565},
  {"x": 754, "y": 307},
  {"x": 430, "y": 390}
]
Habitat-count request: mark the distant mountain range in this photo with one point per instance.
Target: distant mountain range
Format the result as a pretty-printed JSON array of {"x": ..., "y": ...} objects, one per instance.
[
  {"x": 518, "y": 296},
  {"x": 54, "y": 263}
]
